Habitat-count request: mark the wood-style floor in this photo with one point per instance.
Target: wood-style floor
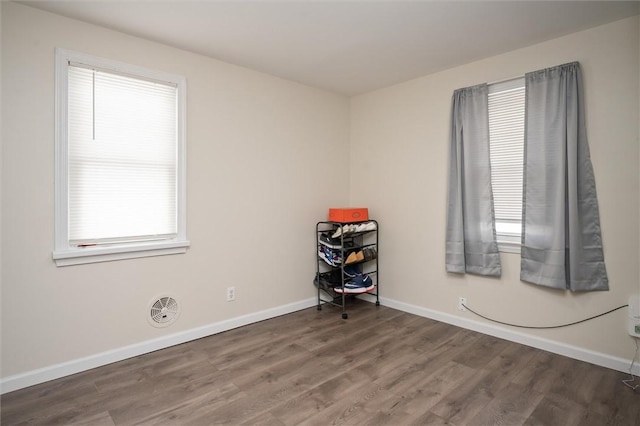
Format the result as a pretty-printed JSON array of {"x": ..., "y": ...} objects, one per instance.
[{"x": 381, "y": 366}]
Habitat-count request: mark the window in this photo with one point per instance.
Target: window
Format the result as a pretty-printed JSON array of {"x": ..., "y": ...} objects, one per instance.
[
  {"x": 506, "y": 145},
  {"x": 120, "y": 161}
]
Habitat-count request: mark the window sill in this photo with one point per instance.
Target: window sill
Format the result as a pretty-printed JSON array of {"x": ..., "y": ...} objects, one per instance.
[
  {"x": 80, "y": 256},
  {"x": 509, "y": 246}
]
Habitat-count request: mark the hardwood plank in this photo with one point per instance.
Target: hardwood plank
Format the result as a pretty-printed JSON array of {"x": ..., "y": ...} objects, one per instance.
[
  {"x": 556, "y": 410},
  {"x": 462, "y": 404},
  {"x": 431, "y": 419},
  {"x": 255, "y": 404},
  {"x": 306, "y": 370},
  {"x": 578, "y": 382},
  {"x": 441, "y": 334},
  {"x": 138, "y": 407},
  {"x": 172, "y": 362},
  {"x": 541, "y": 373},
  {"x": 590, "y": 418},
  {"x": 484, "y": 350},
  {"x": 420, "y": 395},
  {"x": 317, "y": 399},
  {"x": 196, "y": 410},
  {"x": 30, "y": 404},
  {"x": 616, "y": 403},
  {"x": 385, "y": 393},
  {"x": 348, "y": 410},
  {"x": 440, "y": 382},
  {"x": 427, "y": 363},
  {"x": 511, "y": 406},
  {"x": 264, "y": 419},
  {"x": 100, "y": 419},
  {"x": 381, "y": 418},
  {"x": 506, "y": 365}
]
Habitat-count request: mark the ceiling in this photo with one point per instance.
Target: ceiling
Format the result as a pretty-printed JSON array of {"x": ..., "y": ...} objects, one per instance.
[{"x": 347, "y": 47}]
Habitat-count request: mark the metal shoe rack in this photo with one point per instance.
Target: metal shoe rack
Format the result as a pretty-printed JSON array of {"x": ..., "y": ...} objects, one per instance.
[{"x": 334, "y": 292}]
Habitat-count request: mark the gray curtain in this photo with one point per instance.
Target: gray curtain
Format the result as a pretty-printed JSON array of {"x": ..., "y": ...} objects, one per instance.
[
  {"x": 561, "y": 241},
  {"x": 471, "y": 236}
]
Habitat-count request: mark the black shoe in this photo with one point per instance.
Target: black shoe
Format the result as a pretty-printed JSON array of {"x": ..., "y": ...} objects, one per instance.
[{"x": 327, "y": 241}]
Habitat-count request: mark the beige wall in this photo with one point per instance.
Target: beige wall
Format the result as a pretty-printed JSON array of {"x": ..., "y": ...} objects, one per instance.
[
  {"x": 261, "y": 172},
  {"x": 399, "y": 152}
]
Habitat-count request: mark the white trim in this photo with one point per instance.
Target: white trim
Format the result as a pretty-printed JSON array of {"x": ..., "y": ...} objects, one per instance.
[
  {"x": 57, "y": 371},
  {"x": 593, "y": 357},
  {"x": 66, "y": 56},
  {"x": 504, "y": 85},
  {"x": 61, "y": 152},
  {"x": 66, "y": 254},
  {"x": 110, "y": 253},
  {"x": 507, "y": 246}
]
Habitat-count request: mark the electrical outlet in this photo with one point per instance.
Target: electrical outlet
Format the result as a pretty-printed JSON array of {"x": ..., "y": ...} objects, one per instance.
[
  {"x": 231, "y": 294},
  {"x": 462, "y": 301}
]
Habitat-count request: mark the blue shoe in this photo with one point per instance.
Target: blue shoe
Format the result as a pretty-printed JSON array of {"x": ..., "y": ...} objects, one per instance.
[
  {"x": 352, "y": 271},
  {"x": 329, "y": 256},
  {"x": 360, "y": 284},
  {"x": 358, "y": 287}
]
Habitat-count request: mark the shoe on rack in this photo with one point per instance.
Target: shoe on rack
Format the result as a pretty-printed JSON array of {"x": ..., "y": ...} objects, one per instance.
[
  {"x": 352, "y": 258},
  {"x": 360, "y": 284},
  {"x": 370, "y": 253},
  {"x": 337, "y": 233},
  {"x": 330, "y": 242},
  {"x": 332, "y": 277},
  {"x": 360, "y": 281},
  {"x": 323, "y": 284},
  {"x": 352, "y": 271},
  {"x": 359, "y": 290},
  {"x": 327, "y": 259},
  {"x": 329, "y": 256},
  {"x": 366, "y": 226}
]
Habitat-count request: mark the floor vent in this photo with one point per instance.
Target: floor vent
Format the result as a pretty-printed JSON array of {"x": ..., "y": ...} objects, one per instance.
[{"x": 163, "y": 311}]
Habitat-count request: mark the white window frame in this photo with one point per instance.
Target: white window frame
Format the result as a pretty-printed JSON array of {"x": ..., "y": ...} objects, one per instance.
[
  {"x": 65, "y": 254},
  {"x": 509, "y": 241}
]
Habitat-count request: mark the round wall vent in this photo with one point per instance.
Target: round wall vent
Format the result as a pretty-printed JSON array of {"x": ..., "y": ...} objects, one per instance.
[{"x": 163, "y": 311}]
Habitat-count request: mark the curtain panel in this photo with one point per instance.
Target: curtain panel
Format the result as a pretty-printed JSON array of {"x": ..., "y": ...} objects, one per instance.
[
  {"x": 471, "y": 235},
  {"x": 561, "y": 238}
]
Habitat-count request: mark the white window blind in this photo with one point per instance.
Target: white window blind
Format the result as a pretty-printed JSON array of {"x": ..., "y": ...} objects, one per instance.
[
  {"x": 120, "y": 187},
  {"x": 506, "y": 136},
  {"x": 122, "y": 158}
]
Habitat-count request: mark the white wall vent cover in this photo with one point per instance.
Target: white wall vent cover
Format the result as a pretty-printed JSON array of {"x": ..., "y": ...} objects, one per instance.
[{"x": 163, "y": 311}]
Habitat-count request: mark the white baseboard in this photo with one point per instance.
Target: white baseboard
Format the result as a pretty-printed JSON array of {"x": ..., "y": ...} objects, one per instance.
[
  {"x": 553, "y": 346},
  {"x": 57, "y": 371}
]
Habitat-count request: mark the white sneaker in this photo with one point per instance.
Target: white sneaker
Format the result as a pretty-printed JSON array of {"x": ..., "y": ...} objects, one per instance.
[
  {"x": 370, "y": 226},
  {"x": 361, "y": 227},
  {"x": 337, "y": 233}
]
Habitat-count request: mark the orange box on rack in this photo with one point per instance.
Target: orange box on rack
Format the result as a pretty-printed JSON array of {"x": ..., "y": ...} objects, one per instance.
[{"x": 350, "y": 214}]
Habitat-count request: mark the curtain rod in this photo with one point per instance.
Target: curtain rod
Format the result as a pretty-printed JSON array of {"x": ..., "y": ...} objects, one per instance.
[{"x": 506, "y": 80}]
